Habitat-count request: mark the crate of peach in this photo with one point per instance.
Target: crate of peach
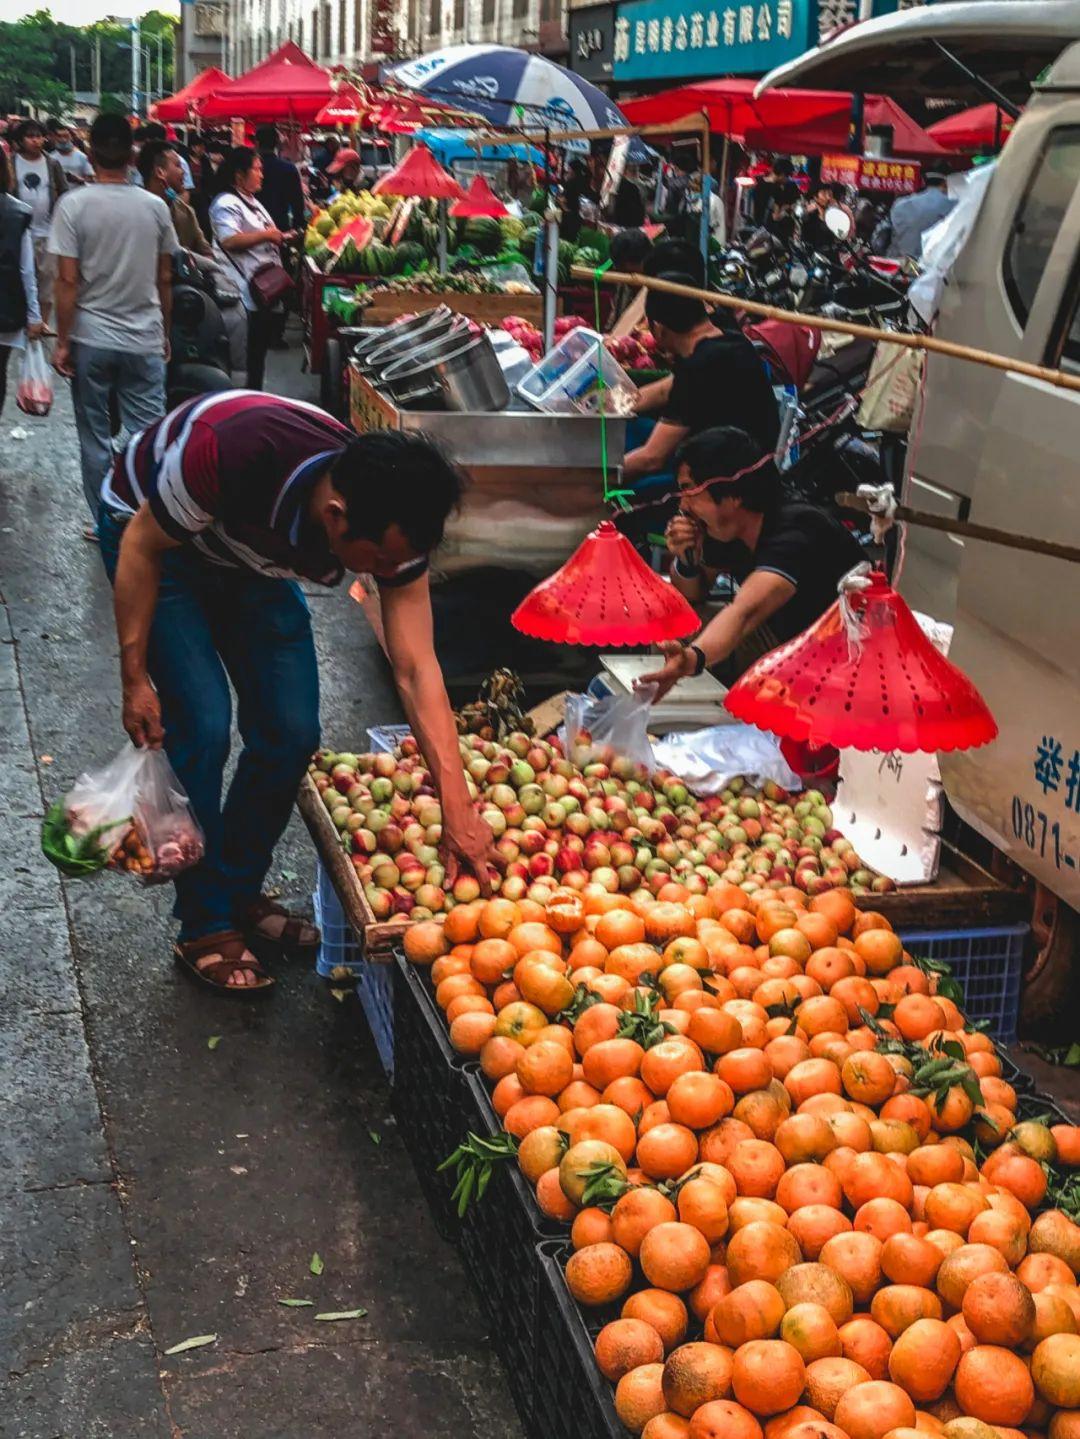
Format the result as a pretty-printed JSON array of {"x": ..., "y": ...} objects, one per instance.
[
  {"x": 801, "y": 1199},
  {"x": 130, "y": 815}
]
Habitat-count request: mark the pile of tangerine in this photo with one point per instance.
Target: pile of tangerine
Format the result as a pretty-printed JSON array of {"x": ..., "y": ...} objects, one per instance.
[{"x": 781, "y": 1186}]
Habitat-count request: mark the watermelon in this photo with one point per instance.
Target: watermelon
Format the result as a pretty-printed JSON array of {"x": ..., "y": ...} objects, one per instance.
[
  {"x": 484, "y": 234},
  {"x": 588, "y": 257},
  {"x": 511, "y": 229},
  {"x": 590, "y": 239},
  {"x": 538, "y": 203},
  {"x": 409, "y": 253}
]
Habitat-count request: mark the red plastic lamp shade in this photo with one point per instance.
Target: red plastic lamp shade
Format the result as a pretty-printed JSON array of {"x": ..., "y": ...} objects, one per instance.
[
  {"x": 481, "y": 201},
  {"x": 889, "y": 689},
  {"x": 420, "y": 174},
  {"x": 605, "y": 594}
]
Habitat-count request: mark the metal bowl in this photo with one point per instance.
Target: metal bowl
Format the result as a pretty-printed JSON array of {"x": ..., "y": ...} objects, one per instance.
[
  {"x": 402, "y": 374},
  {"x": 403, "y": 338}
]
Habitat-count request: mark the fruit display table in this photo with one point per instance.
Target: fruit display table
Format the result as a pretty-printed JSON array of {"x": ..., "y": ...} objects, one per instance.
[
  {"x": 484, "y": 309},
  {"x": 317, "y": 324}
]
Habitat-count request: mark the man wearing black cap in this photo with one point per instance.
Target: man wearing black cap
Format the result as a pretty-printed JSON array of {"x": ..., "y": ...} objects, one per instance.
[{"x": 913, "y": 215}]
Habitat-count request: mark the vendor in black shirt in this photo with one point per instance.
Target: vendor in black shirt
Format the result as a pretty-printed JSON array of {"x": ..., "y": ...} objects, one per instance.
[
  {"x": 717, "y": 379},
  {"x": 789, "y": 557},
  {"x": 813, "y": 231}
]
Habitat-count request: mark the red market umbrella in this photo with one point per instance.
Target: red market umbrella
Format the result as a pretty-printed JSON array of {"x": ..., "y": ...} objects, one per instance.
[
  {"x": 864, "y": 676},
  {"x": 178, "y": 107},
  {"x": 284, "y": 86},
  {"x": 983, "y": 126},
  {"x": 481, "y": 201},
  {"x": 348, "y": 107},
  {"x": 420, "y": 174},
  {"x": 795, "y": 122},
  {"x": 605, "y": 594},
  {"x": 405, "y": 114}
]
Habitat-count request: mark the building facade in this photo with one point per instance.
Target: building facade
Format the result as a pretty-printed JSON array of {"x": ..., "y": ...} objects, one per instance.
[
  {"x": 200, "y": 38},
  {"x": 360, "y": 33}
]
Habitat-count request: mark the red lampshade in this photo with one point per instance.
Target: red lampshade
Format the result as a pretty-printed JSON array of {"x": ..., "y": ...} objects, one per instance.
[
  {"x": 420, "y": 174},
  {"x": 480, "y": 201},
  {"x": 605, "y": 594},
  {"x": 879, "y": 686}
]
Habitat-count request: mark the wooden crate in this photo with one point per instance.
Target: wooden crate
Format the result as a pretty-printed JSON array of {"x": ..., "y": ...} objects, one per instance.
[
  {"x": 964, "y": 896},
  {"x": 484, "y": 309}
]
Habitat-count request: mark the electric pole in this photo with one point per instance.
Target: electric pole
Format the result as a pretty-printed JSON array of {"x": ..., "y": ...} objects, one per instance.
[
  {"x": 136, "y": 57},
  {"x": 71, "y": 52}
]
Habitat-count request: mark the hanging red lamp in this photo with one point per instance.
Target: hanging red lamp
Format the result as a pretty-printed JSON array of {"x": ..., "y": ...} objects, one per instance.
[
  {"x": 864, "y": 676},
  {"x": 420, "y": 174},
  {"x": 605, "y": 594},
  {"x": 480, "y": 202}
]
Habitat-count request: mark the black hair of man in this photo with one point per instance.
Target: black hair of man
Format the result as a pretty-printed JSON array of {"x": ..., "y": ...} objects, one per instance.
[
  {"x": 18, "y": 133},
  {"x": 110, "y": 142},
  {"x": 152, "y": 130},
  {"x": 676, "y": 255},
  {"x": 266, "y": 138},
  {"x": 679, "y": 313},
  {"x": 934, "y": 177},
  {"x": 783, "y": 166},
  {"x": 396, "y": 477},
  {"x": 150, "y": 157},
  {"x": 724, "y": 452},
  {"x": 630, "y": 247},
  {"x": 53, "y": 125}
]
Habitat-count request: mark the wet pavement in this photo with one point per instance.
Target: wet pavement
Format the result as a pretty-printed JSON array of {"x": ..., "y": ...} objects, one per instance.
[{"x": 152, "y": 1188}]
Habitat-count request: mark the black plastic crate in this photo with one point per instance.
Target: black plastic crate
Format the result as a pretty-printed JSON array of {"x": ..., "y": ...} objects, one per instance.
[
  {"x": 566, "y": 1380},
  {"x": 431, "y": 1100},
  {"x": 1042, "y": 1107},
  {"x": 524, "y": 1195}
]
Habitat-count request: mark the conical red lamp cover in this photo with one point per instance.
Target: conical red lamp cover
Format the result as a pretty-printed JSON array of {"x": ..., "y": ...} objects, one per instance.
[
  {"x": 605, "y": 594},
  {"x": 886, "y": 689},
  {"x": 420, "y": 174},
  {"x": 481, "y": 201}
]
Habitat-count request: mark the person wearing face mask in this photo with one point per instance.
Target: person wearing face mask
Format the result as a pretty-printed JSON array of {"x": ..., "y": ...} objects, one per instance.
[
  {"x": 163, "y": 175},
  {"x": 76, "y": 167}
]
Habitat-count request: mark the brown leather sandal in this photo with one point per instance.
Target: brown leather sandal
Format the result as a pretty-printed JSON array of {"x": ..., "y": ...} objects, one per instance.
[
  {"x": 231, "y": 945},
  {"x": 299, "y": 938}
]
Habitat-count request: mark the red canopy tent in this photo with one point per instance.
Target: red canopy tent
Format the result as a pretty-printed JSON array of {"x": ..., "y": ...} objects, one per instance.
[
  {"x": 178, "y": 106},
  {"x": 974, "y": 129},
  {"x": 799, "y": 122},
  {"x": 284, "y": 86}
]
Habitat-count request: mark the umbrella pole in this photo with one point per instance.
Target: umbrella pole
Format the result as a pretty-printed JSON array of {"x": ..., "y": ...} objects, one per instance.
[
  {"x": 551, "y": 273},
  {"x": 443, "y": 239}
]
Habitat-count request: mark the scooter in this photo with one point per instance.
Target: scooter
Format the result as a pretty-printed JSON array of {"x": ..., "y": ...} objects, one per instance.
[{"x": 201, "y": 344}]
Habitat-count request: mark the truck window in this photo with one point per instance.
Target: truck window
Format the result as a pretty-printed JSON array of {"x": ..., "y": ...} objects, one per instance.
[{"x": 1039, "y": 216}]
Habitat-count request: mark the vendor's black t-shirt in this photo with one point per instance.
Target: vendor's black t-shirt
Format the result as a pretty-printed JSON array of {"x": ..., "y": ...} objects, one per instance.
[
  {"x": 723, "y": 382},
  {"x": 804, "y": 545}
]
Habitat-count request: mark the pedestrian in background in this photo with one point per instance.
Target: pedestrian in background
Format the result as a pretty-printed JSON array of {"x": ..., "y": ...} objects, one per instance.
[
  {"x": 246, "y": 235},
  {"x": 39, "y": 182},
  {"x": 114, "y": 244},
  {"x": 20, "y": 315},
  {"x": 76, "y": 167},
  {"x": 900, "y": 236}
]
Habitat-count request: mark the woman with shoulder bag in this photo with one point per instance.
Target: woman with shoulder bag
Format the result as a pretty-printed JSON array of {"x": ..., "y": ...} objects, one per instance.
[
  {"x": 20, "y": 315},
  {"x": 250, "y": 241}
]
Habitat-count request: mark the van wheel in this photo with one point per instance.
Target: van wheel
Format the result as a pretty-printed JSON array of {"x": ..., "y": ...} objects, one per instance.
[
  {"x": 331, "y": 388},
  {"x": 1049, "y": 994}
]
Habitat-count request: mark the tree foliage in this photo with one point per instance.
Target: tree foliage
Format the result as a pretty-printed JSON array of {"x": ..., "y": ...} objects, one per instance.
[{"x": 35, "y": 59}]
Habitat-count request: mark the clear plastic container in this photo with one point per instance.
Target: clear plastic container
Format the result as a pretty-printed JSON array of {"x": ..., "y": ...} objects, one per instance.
[{"x": 578, "y": 377}]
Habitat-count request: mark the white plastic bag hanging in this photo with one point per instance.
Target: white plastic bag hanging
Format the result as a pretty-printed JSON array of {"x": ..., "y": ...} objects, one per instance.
[
  {"x": 132, "y": 814},
  {"x": 707, "y": 760},
  {"x": 597, "y": 731},
  {"x": 34, "y": 395}
]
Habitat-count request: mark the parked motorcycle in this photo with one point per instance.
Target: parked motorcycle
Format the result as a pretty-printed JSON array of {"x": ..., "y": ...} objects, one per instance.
[{"x": 202, "y": 340}]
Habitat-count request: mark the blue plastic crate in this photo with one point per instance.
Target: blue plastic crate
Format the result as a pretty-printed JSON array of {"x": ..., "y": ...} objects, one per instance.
[
  {"x": 341, "y": 951},
  {"x": 986, "y": 963}
]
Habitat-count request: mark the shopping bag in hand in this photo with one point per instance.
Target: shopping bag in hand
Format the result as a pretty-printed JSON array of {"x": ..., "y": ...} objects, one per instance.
[
  {"x": 34, "y": 395},
  {"x": 132, "y": 815}
]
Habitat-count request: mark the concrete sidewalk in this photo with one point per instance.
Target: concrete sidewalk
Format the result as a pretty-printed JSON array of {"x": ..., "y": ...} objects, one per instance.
[{"x": 152, "y": 1189}]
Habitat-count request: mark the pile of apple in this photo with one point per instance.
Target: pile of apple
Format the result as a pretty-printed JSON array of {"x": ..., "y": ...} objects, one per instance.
[{"x": 590, "y": 817}]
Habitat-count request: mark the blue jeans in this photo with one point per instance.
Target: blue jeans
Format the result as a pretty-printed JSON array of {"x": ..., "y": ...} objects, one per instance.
[
  {"x": 213, "y": 625},
  {"x": 138, "y": 381}
]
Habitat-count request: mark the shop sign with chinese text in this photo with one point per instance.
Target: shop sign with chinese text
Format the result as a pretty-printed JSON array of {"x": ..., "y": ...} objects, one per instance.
[
  {"x": 879, "y": 176},
  {"x": 668, "y": 39}
]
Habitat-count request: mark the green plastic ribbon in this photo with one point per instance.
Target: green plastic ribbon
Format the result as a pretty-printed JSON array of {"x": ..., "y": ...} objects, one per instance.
[{"x": 617, "y": 497}]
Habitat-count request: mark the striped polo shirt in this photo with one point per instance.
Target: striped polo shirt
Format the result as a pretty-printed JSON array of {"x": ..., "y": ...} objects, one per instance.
[{"x": 230, "y": 474}]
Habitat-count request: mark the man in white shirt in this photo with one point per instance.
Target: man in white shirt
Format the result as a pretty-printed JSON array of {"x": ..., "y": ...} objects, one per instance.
[
  {"x": 114, "y": 245},
  {"x": 39, "y": 183},
  {"x": 76, "y": 167}
]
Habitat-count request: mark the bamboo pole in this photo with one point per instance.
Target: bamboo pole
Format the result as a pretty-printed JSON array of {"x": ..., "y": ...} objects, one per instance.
[
  {"x": 967, "y": 529},
  {"x": 687, "y": 125},
  {"x": 930, "y": 343}
]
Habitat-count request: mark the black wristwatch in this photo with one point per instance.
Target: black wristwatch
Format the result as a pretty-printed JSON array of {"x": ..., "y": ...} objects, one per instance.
[{"x": 699, "y": 658}]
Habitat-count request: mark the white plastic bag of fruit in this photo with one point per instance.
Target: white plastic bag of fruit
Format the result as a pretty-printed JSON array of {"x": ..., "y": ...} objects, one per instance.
[
  {"x": 707, "y": 760},
  {"x": 601, "y": 729},
  {"x": 132, "y": 814}
]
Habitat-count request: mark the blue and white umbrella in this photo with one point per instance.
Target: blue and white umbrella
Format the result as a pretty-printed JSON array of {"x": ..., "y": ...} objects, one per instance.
[{"x": 510, "y": 87}]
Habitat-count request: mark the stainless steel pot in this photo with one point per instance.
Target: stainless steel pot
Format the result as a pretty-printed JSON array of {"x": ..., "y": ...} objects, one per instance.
[
  {"x": 471, "y": 377},
  {"x": 403, "y": 338},
  {"x": 418, "y": 367}
]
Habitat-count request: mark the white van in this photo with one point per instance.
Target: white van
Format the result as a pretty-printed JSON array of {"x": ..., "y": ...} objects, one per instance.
[{"x": 1000, "y": 449}]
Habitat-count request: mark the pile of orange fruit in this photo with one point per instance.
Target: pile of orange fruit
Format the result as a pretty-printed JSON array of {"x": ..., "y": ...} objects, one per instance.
[{"x": 766, "y": 1128}]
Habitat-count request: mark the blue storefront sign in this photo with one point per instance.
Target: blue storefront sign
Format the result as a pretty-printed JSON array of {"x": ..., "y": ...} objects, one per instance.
[{"x": 670, "y": 39}]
